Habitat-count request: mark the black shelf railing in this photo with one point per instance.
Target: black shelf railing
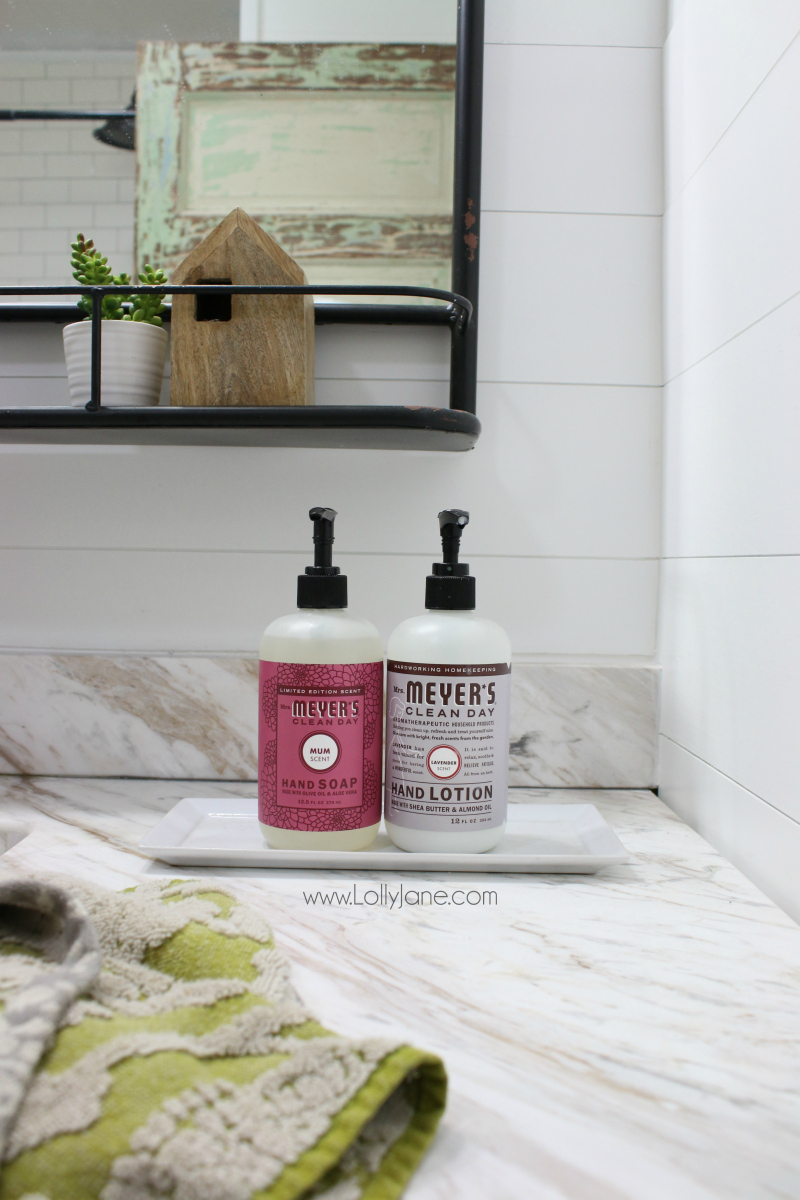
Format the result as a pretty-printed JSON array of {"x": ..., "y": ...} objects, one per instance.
[
  {"x": 400, "y": 427},
  {"x": 457, "y": 314}
]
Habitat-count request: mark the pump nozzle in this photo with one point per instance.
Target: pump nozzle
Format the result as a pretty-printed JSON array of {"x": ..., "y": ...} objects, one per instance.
[
  {"x": 450, "y": 585},
  {"x": 322, "y": 586},
  {"x": 451, "y": 526},
  {"x": 323, "y": 519}
]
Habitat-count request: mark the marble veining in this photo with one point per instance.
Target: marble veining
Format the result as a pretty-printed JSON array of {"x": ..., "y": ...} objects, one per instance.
[
  {"x": 194, "y": 717},
  {"x": 583, "y": 726},
  {"x": 145, "y": 715},
  {"x": 626, "y": 1036}
]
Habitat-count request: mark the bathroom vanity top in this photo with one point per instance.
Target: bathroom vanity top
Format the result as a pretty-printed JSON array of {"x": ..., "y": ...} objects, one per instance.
[{"x": 626, "y": 1036}]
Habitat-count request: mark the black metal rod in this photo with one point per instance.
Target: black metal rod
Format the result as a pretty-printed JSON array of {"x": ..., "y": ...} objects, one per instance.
[
  {"x": 239, "y": 289},
  {"x": 383, "y": 314},
  {"x": 467, "y": 199},
  {"x": 324, "y": 314},
  {"x": 78, "y": 114},
  {"x": 97, "y": 356}
]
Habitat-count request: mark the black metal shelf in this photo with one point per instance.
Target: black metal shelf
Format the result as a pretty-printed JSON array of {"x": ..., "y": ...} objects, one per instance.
[
  {"x": 368, "y": 427},
  {"x": 333, "y": 426}
]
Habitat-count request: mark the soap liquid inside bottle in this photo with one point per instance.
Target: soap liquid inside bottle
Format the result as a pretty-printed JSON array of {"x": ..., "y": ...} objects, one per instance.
[{"x": 322, "y": 636}]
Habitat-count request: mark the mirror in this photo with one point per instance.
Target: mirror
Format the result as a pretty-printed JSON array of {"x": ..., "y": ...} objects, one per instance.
[{"x": 330, "y": 121}]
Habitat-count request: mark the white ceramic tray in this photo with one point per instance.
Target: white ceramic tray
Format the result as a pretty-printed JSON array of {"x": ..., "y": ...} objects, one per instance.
[
  {"x": 11, "y": 832},
  {"x": 571, "y": 838}
]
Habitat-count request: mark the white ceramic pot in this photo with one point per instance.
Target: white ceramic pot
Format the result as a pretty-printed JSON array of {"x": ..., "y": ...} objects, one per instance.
[{"x": 132, "y": 368}]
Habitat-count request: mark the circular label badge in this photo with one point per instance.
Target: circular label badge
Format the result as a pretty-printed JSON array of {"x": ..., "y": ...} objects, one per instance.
[
  {"x": 444, "y": 762},
  {"x": 320, "y": 751}
]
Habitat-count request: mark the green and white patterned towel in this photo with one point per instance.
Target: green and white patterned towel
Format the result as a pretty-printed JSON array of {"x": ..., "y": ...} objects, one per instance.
[{"x": 152, "y": 1048}]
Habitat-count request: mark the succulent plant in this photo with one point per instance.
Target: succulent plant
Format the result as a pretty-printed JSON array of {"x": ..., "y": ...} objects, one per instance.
[
  {"x": 92, "y": 270},
  {"x": 148, "y": 308}
]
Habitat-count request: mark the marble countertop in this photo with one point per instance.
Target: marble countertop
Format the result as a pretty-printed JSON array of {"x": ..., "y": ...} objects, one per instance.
[{"x": 626, "y": 1036}]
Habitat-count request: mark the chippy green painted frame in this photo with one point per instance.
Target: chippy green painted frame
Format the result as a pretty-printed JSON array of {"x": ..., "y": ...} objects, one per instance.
[{"x": 168, "y": 70}]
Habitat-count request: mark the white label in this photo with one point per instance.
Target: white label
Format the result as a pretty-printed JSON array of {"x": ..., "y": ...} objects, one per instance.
[
  {"x": 447, "y": 730},
  {"x": 444, "y": 762},
  {"x": 320, "y": 751}
]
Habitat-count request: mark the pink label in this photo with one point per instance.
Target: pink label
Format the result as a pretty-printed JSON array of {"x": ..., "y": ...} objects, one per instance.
[{"x": 319, "y": 745}]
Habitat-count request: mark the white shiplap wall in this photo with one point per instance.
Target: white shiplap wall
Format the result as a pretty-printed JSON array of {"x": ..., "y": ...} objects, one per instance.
[
  {"x": 729, "y": 637},
  {"x": 196, "y": 549}
]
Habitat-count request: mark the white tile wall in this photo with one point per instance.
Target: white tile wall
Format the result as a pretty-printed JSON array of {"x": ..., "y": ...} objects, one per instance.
[
  {"x": 56, "y": 179},
  {"x": 569, "y": 129},
  {"x": 732, "y": 446},
  {"x": 347, "y": 21},
  {"x": 732, "y": 236},
  {"x": 730, "y": 584},
  {"x": 571, "y": 299},
  {"x": 559, "y": 471},
  {"x": 179, "y": 600},
  {"x": 731, "y": 656},
  {"x": 722, "y": 54},
  {"x": 189, "y": 549},
  {"x": 762, "y": 842},
  {"x": 577, "y": 22}
]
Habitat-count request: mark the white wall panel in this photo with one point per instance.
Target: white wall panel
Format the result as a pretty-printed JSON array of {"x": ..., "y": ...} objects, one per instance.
[
  {"x": 577, "y": 22},
  {"x": 732, "y": 446},
  {"x": 732, "y": 238},
  {"x": 382, "y": 352},
  {"x": 722, "y": 50},
  {"x": 730, "y": 647},
  {"x": 371, "y": 365},
  {"x": 29, "y": 392},
  {"x": 137, "y": 600},
  {"x": 557, "y": 470},
  {"x": 341, "y": 351},
  {"x": 570, "y": 299},
  {"x": 427, "y": 393},
  {"x": 30, "y": 349},
  {"x": 572, "y": 129},
  {"x": 347, "y": 21},
  {"x": 762, "y": 842}
]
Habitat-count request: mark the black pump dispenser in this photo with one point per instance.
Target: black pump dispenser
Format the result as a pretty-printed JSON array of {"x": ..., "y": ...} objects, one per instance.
[
  {"x": 451, "y": 586},
  {"x": 322, "y": 586}
]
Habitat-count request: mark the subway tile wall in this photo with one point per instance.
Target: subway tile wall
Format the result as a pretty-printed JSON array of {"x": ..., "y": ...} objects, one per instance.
[{"x": 56, "y": 179}]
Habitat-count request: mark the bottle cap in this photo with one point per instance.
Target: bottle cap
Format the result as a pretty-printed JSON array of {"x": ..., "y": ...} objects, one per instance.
[
  {"x": 451, "y": 586},
  {"x": 322, "y": 586}
]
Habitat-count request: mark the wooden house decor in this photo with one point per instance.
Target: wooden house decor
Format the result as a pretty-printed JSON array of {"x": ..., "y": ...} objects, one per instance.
[
  {"x": 343, "y": 153},
  {"x": 241, "y": 349}
]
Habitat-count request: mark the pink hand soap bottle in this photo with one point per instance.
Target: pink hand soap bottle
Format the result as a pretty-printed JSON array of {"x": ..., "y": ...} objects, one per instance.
[{"x": 321, "y": 715}]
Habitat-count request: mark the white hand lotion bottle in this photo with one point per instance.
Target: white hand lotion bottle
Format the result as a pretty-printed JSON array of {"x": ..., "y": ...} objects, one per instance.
[
  {"x": 320, "y": 715},
  {"x": 448, "y": 693}
]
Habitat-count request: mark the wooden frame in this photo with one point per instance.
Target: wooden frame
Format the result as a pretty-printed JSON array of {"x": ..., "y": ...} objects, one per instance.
[{"x": 394, "y": 226}]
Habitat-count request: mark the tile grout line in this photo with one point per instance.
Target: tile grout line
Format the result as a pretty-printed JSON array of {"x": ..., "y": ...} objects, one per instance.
[
  {"x": 369, "y": 554},
  {"x": 729, "y": 778},
  {"x": 578, "y": 45},
  {"x": 733, "y": 338},
  {"x": 567, "y": 212},
  {"x": 728, "y": 127},
  {"x": 725, "y": 557}
]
